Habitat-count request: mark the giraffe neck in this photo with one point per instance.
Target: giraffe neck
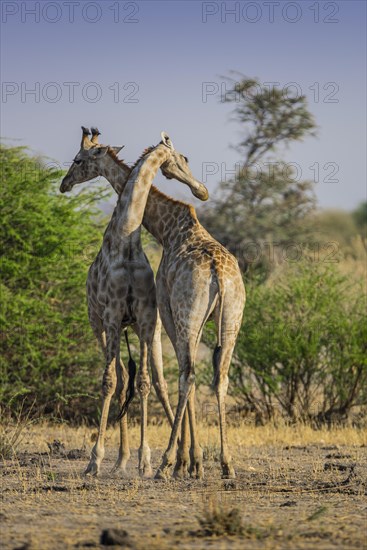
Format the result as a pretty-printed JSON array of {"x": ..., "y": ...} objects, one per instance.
[
  {"x": 116, "y": 172},
  {"x": 133, "y": 198},
  {"x": 168, "y": 220}
]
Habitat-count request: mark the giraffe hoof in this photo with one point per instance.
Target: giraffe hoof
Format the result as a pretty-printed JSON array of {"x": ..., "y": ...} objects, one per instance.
[
  {"x": 161, "y": 474},
  {"x": 118, "y": 469},
  {"x": 229, "y": 473},
  {"x": 181, "y": 472},
  {"x": 197, "y": 473},
  {"x": 181, "y": 467},
  {"x": 92, "y": 470},
  {"x": 146, "y": 472},
  {"x": 120, "y": 466},
  {"x": 227, "y": 469}
]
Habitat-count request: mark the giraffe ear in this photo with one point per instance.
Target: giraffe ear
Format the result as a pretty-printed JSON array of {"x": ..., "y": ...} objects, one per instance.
[
  {"x": 166, "y": 141},
  {"x": 117, "y": 149},
  {"x": 98, "y": 152}
]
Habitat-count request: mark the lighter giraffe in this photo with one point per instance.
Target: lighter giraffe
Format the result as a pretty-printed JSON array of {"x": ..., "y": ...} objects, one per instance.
[
  {"x": 120, "y": 284},
  {"x": 197, "y": 279}
]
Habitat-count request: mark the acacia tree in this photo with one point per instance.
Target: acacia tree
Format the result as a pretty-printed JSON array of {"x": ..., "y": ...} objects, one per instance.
[
  {"x": 266, "y": 201},
  {"x": 301, "y": 350},
  {"x": 49, "y": 358}
]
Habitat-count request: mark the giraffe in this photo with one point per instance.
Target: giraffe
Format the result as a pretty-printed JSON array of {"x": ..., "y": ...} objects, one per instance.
[
  {"x": 197, "y": 279},
  {"x": 120, "y": 284},
  {"x": 90, "y": 162}
]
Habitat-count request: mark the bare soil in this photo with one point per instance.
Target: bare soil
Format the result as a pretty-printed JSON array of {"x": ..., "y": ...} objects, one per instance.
[{"x": 287, "y": 495}]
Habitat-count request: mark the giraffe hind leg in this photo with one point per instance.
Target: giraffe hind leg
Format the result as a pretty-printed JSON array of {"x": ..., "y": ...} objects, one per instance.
[
  {"x": 196, "y": 452},
  {"x": 182, "y": 460},
  {"x": 156, "y": 363},
  {"x": 124, "y": 448},
  {"x": 221, "y": 363},
  {"x": 185, "y": 355},
  {"x": 145, "y": 468}
]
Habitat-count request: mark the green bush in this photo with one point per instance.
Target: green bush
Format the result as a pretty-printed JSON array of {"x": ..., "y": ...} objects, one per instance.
[
  {"x": 49, "y": 357},
  {"x": 301, "y": 351}
]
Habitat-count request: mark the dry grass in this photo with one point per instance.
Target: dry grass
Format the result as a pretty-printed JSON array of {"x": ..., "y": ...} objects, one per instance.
[
  {"x": 218, "y": 519},
  {"x": 12, "y": 433},
  {"x": 36, "y": 438}
]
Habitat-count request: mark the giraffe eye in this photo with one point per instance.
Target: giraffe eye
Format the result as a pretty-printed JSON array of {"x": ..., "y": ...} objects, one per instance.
[{"x": 78, "y": 161}]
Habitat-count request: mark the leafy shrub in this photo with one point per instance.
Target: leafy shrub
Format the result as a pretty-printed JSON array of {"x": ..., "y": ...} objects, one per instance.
[
  {"x": 301, "y": 351},
  {"x": 48, "y": 353}
]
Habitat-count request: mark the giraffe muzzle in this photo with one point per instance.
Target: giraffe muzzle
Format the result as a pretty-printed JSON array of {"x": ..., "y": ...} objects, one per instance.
[
  {"x": 65, "y": 185},
  {"x": 200, "y": 191}
]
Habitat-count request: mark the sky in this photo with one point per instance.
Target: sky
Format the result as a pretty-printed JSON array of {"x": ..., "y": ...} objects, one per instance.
[{"x": 135, "y": 68}]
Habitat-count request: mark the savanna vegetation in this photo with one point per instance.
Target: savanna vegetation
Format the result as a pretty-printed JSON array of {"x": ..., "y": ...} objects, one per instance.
[
  {"x": 301, "y": 352},
  {"x": 49, "y": 358}
]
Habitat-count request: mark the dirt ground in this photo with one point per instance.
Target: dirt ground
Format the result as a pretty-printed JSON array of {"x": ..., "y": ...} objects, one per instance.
[{"x": 295, "y": 488}]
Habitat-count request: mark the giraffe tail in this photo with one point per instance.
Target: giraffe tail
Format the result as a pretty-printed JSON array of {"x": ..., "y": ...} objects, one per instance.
[
  {"x": 131, "y": 384},
  {"x": 216, "y": 362}
]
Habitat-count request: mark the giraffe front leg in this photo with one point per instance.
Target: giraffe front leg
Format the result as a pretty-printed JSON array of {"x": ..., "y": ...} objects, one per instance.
[
  {"x": 110, "y": 340},
  {"x": 145, "y": 468},
  {"x": 108, "y": 389},
  {"x": 124, "y": 448}
]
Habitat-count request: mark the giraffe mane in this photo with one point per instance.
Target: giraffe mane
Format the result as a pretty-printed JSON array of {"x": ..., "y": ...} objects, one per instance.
[
  {"x": 154, "y": 190},
  {"x": 120, "y": 162},
  {"x": 146, "y": 152}
]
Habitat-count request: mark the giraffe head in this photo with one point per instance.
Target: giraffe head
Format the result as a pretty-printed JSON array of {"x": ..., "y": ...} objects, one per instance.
[
  {"x": 89, "y": 161},
  {"x": 177, "y": 167}
]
